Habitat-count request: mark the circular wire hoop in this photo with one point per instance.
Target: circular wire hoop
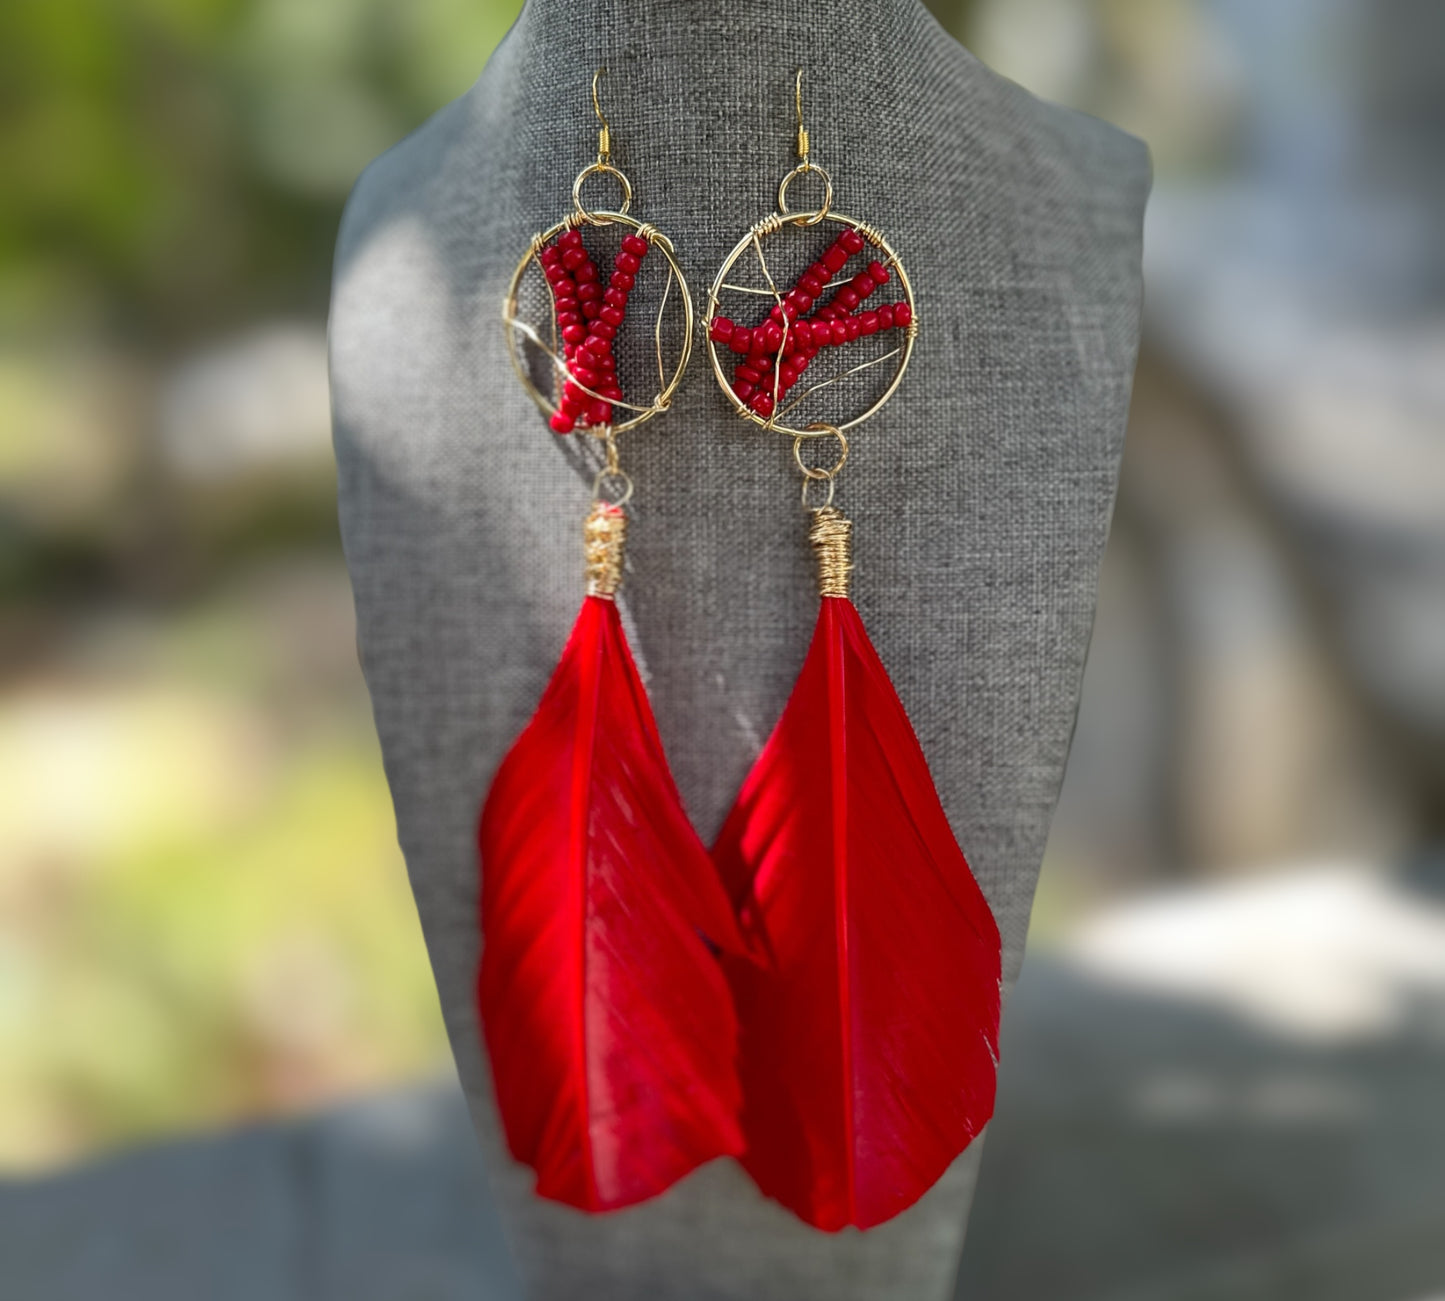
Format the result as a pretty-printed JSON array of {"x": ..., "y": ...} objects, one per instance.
[
  {"x": 513, "y": 326},
  {"x": 753, "y": 240}
]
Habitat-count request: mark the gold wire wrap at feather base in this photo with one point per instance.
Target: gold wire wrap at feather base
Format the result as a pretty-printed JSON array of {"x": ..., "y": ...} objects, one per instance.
[
  {"x": 603, "y": 538},
  {"x": 831, "y": 537}
]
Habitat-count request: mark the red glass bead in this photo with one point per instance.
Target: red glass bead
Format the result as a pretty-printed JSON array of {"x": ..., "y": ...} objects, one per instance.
[
  {"x": 589, "y": 291},
  {"x": 596, "y": 345},
  {"x": 846, "y": 298},
  {"x": 613, "y": 316},
  {"x": 855, "y": 327},
  {"x": 574, "y": 334},
  {"x": 586, "y": 378},
  {"x": 749, "y": 373},
  {"x": 741, "y": 339},
  {"x": 744, "y": 389},
  {"x": 615, "y": 297},
  {"x": 885, "y": 317},
  {"x": 550, "y": 255},
  {"x": 869, "y": 322},
  {"x": 601, "y": 330},
  {"x": 802, "y": 333},
  {"x": 599, "y": 413},
  {"x": 562, "y": 423},
  {"x": 811, "y": 284},
  {"x": 863, "y": 284},
  {"x": 789, "y": 375},
  {"x": 803, "y": 302},
  {"x": 621, "y": 280},
  {"x": 628, "y": 263},
  {"x": 571, "y": 238},
  {"x": 556, "y": 274},
  {"x": 834, "y": 259},
  {"x": 590, "y": 310},
  {"x": 635, "y": 245},
  {"x": 851, "y": 241},
  {"x": 837, "y": 331},
  {"x": 902, "y": 315},
  {"x": 585, "y": 274},
  {"x": 770, "y": 336},
  {"x": 607, "y": 363},
  {"x": 611, "y": 392},
  {"x": 800, "y": 362},
  {"x": 721, "y": 329},
  {"x": 762, "y": 403},
  {"x": 573, "y": 258},
  {"x": 878, "y": 272}
]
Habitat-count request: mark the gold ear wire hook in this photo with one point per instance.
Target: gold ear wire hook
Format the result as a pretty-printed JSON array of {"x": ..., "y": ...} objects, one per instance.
[
  {"x": 802, "y": 130},
  {"x": 604, "y": 136}
]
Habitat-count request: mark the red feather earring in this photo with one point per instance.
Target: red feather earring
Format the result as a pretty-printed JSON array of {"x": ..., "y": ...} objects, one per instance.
[
  {"x": 607, "y": 1017},
  {"x": 869, "y": 1022}
]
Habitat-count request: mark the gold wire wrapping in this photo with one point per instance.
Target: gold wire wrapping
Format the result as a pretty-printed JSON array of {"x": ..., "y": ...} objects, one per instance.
[
  {"x": 603, "y": 538},
  {"x": 831, "y": 537}
]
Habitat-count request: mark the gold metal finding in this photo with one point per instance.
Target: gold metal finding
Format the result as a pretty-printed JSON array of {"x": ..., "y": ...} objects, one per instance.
[
  {"x": 604, "y": 537},
  {"x": 831, "y": 537},
  {"x": 832, "y": 472},
  {"x": 604, "y": 136},
  {"x": 802, "y": 130}
]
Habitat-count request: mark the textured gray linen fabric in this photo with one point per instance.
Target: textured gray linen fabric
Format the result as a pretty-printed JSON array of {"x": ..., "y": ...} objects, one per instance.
[{"x": 981, "y": 497}]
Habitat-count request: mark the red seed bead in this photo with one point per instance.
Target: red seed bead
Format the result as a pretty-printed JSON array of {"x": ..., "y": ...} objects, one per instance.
[
  {"x": 869, "y": 322},
  {"x": 550, "y": 255},
  {"x": 613, "y": 316},
  {"x": 589, "y": 293},
  {"x": 741, "y": 339},
  {"x": 590, "y": 311},
  {"x": 762, "y": 403},
  {"x": 596, "y": 345},
  {"x": 556, "y": 274},
  {"x": 721, "y": 329},
  {"x": 811, "y": 284},
  {"x": 852, "y": 241},
  {"x": 800, "y": 362},
  {"x": 749, "y": 373},
  {"x": 573, "y": 258},
  {"x": 628, "y": 263},
  {"x": 565, "y": 299},
  {"x": 621, "y": 280},
  {"x": 744, "y": 389},
  {"x": 789, "y": 375},
  {"x": 878, "y": 272},
  {"x": 607, "y": 361},
  {"x": 562, "y": 423},
  {"x": 571, "y": 238},
  {"x": 635, "y": 245},
  {"x": 834, "y": 259},
  {"x": 855, "y": 328},
  {"x": 585, "y": 274},
  {"x": 885, "y": 317},
  {"x": 615, "y": 298},
  {"x": 863, "y": 284},
  {"x": 803, "y": 302},
  {"x": 611, "y": 391},
  {"x": 601, "y": 330},
  {"x": 599, "y": 413},
  {"x": 802, "y": 333},
  {"x": 838, "y": 331},
  {"x": 574, "y": 334},
  {"x": 846, "y": 298},
  {"x": 902, "y": 315},
  {"x": 586, "y": 378},
  {"x": 770, "y": 336}
]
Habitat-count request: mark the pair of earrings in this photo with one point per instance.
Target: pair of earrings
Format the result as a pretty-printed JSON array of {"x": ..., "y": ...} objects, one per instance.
[{"x": 819, "y": 995}]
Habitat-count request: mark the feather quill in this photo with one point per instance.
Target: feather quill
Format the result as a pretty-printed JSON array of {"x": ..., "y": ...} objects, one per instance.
[
  {"x": 869, "y": 1032},
  {"x": 607, "y": 1018}
]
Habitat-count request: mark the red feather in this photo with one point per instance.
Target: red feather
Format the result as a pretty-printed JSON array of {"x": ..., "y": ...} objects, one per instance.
[
  {"x": 608, "y": 1020},
  {"x": 870, "y": 1033}
]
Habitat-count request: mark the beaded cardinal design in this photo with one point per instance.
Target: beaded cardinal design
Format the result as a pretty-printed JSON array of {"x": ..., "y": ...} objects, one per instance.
[{"x": 835, "y": 323}]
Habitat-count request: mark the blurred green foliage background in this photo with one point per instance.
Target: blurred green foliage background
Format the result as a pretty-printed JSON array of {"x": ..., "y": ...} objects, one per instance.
[{"x": 203, "y": 913}]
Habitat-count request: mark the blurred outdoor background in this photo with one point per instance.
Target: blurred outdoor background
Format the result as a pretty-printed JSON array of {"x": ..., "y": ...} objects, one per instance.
[{"x": 1224, "y": 1067}]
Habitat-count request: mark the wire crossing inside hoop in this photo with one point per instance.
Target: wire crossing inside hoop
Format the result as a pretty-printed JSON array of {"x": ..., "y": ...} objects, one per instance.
[
  {"x": 557, "y": 325},
  {"x": 782, "y": 328}
]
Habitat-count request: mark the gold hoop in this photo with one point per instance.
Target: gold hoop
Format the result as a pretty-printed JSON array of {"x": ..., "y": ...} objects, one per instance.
[
  {"x": 753, "y": 239},
  {"x": 513, "y": 326},
  {"x": 800, "y": 170},
  {"x": 616, "y": 476},
  {"x": 593, "y": 169},
  {"x": 809, "y": 472}
]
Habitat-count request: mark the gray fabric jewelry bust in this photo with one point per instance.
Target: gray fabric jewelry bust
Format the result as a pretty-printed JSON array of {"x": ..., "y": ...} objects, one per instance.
[{"x": 981, "y": 498}]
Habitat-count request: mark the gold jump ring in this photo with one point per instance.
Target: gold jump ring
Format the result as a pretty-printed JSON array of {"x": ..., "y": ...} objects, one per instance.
[{"x": 593, "y": 169}]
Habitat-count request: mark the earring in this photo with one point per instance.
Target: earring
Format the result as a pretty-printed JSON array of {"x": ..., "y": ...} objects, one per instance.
[
  {"x": 607, "y": 1019},
  {"x": 869, "y": 1030}
]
